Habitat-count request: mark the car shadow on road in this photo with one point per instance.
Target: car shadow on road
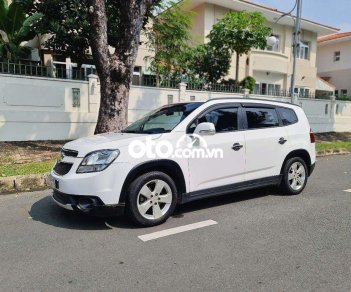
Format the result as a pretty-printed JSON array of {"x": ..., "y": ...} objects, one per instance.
[
  {"x": 47, "y": 212},
  {"x": 224, "y": 200}
]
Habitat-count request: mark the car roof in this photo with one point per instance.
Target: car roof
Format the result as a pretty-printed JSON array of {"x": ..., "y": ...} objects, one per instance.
[{"x": 251, "y": 100}]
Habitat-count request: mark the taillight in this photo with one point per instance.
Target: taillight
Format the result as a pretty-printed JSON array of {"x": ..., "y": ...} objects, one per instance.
[{"x": 312, "y": 137}]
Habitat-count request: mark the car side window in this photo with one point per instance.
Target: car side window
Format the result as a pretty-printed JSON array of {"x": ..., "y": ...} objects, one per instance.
[
  {"x": 258, "y": 118},
  {"x": 224, "y": 119},
  {"x": 288, "y": 116}
]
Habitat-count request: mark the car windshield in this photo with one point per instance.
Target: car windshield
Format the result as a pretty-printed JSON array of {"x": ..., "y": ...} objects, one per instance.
[{"x": 162, "y": 120}]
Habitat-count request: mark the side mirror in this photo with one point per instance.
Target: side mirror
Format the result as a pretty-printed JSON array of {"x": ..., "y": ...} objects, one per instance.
[{"x": 204, "y": 129}]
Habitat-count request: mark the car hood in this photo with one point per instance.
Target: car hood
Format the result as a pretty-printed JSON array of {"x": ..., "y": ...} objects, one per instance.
[{"x": 104, "y": 141}]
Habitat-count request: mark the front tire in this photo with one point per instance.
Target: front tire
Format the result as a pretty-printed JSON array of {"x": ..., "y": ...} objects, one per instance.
[
  {"x": 295, "y": 175},
  {"x": 152, "y": 198}
]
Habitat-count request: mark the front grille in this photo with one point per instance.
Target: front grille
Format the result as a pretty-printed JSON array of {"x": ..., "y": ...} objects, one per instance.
[
  {"x": 70, "y": 153},
  {"x": 62, "y": 168}
]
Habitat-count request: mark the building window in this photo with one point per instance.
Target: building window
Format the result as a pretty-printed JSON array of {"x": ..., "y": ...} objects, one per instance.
[
  {"x": 337, "y": 56},
  {"x": 76, "y": 97},
  {"x": 343, "y": 92},
  {"x": 170, "y": 99},
  {"x": 275, "y": 47},
  {"x": 302, "y": 92},
  {"x": 257, "y": 88},
  {"x": 267, "y": 89},
  {"x": 304, "y": 50},
  {"x": 274, "y": 89},
  {"x": 137, "y": 76},
  {"x": 336, "y": 93}
]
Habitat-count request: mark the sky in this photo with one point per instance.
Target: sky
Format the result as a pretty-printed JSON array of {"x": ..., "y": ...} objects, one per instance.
[{"x": 336, "y": 13}]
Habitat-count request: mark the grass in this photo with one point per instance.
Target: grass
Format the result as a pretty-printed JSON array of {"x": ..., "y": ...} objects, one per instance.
[
  {"x": 26, "y": 168},
  {"x": 333, "y": 145},
  {"x": 45, "y": 166}
]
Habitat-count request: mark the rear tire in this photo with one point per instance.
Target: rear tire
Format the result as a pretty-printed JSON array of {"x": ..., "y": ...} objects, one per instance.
[
  {"x": 152, "y": 198},
  {"x": 295, "y": 176}
]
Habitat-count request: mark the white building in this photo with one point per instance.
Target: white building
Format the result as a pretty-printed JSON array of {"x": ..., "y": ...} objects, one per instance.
[{"x": 334, "y": 61}]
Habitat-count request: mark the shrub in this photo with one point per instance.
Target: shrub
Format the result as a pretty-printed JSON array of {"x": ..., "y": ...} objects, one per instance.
[{"x": 248, "y": 83}]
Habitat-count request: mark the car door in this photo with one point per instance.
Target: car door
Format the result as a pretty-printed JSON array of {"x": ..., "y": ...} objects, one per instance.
[
  {"x": 266, "y": 139},
  {"x": 211, "y": 172}
]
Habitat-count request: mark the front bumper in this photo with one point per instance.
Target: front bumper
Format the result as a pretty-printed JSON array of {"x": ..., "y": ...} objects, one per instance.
[
  {"x": 97, "y": 208},
  {"x": 105, "y": 185}
]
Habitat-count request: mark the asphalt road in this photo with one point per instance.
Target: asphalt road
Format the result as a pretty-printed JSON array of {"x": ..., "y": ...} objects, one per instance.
[{"x": 262, "y": 242}]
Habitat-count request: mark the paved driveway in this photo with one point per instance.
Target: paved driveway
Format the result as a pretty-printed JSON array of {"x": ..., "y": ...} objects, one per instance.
[{"x": 262, "y": 242}]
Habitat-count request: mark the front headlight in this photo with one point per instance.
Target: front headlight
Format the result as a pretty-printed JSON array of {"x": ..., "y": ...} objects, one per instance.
[{"x": 97, "y": 161}]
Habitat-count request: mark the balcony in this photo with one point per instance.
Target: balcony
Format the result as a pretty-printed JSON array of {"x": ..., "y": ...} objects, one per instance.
[{"x": 269, "y": 61}]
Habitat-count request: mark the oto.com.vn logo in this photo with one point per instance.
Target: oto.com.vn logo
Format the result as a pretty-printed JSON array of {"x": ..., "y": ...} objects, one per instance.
[{"x": 187, "y": 146}]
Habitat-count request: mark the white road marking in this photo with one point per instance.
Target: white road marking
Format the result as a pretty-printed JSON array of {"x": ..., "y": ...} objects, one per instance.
[
  {"x": 176, "y": 230},
  {"x": 108, "y": 225},
  {"x": 348, "y": 191}
]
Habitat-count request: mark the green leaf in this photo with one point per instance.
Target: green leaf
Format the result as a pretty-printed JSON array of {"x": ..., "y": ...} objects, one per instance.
[
  {"x": 14, "y": 19},
  {"x": 3, "y": 13},
  {"x": 27, "y": 32}
]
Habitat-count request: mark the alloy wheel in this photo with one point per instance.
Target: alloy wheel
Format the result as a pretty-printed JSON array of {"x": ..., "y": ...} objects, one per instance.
[
  {"x": 297, "y": 176},
  {"x": 154, "y": 199}
]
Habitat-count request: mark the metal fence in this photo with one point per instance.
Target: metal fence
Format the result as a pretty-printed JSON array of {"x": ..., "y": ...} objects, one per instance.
[
  {"x": 151, "y": 81},
  {"x": 214, "y": 87},
  {"x": 46, "y": 71},
  {"x": 144, "y": 80}
]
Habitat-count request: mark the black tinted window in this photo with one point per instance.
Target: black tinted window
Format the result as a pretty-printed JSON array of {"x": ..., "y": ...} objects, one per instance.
[
  {"x": 224, "y": 119},
  {"x": 261, "y": 118},
  {"x": 288, "y": 116}
]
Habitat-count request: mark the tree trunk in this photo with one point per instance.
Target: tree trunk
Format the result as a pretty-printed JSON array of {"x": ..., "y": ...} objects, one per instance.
[
  {"x": 237, "y": 67},
  {"x": 116, "y": 70}
]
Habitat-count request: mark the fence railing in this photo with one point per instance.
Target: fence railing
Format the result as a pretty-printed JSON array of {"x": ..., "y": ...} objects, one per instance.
[
  {"x": 214, "y": 87},
  {"x": 143, "y": 80},
  {"x": 151, "y": 81},
  {"x": 46, "y": 71}
]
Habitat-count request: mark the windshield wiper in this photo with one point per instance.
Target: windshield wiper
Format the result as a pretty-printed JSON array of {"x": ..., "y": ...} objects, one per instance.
[{"x": 130, "y": 132}]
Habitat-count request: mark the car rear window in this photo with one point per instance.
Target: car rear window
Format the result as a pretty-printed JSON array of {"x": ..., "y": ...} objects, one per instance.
[
  {"x": 288, "y": 116},
  {"x": 261, "y": 118}
]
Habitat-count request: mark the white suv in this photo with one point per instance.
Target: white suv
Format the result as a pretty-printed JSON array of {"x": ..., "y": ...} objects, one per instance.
[{"x": 262, "y": 143}]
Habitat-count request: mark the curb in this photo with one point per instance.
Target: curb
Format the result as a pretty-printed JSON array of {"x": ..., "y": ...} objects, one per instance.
[
  {"x": 23, "y": 183},
  {"x": 35, "y": 182},
  {"x": 332, "y": 152}
]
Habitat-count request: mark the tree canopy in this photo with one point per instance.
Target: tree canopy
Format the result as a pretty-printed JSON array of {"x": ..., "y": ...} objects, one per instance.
[
  {"x": 68, "y": 24},
  {"x": 239, "y": 32},
  {"x": 168, "y": 38},
  {"x": 206, "y": 63},
  {"x": 15, "y": 28}
]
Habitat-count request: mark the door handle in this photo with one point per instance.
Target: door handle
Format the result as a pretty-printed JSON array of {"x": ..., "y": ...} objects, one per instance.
[
  {"x": 282, "y": 140},
  {"x": 237, "y": 147}
]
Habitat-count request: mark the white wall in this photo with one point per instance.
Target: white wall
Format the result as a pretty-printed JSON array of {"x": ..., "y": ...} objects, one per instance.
[
  {"x": 41, "y": 108},
  {"x": 339, "y": 72},
  {"x": 325, "y": 56}
]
